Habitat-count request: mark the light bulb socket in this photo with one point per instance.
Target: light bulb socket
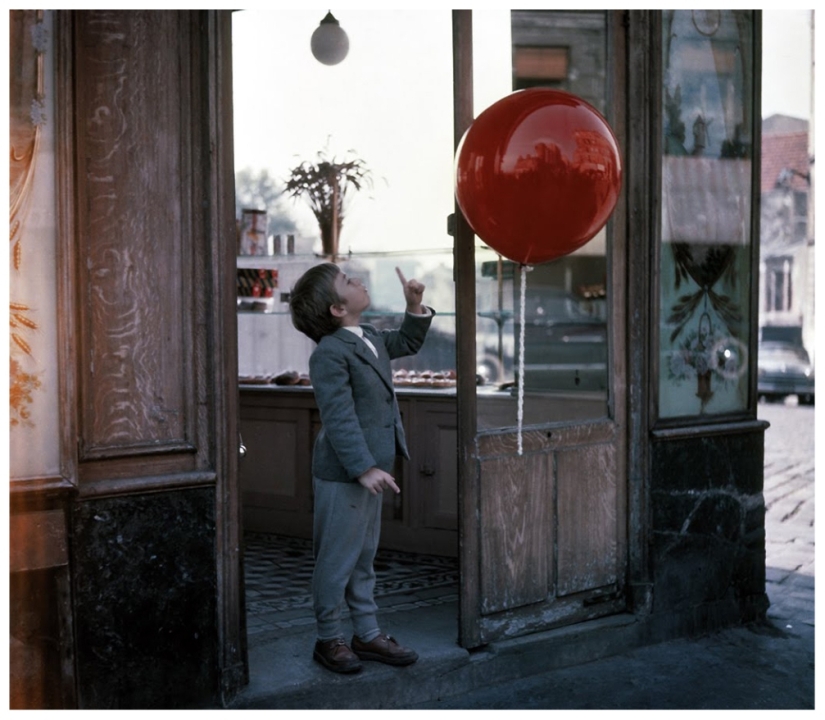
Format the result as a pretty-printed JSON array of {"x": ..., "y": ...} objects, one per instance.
[{"x": 329, "y": 19}]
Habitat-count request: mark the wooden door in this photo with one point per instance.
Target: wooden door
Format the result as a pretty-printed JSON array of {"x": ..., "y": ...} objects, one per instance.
[{"x": 542, "y": 533}]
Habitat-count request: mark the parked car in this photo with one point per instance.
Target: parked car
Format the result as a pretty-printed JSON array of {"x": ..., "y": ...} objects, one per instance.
[
  {"x": 785, "y": 369},
  {"x": 565, "y": 347}
]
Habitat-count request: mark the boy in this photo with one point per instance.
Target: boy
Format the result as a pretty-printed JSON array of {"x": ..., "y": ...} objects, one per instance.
[{"x": 354, "y": 453}]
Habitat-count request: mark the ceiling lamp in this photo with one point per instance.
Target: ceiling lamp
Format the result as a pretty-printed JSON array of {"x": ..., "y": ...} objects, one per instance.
[{"x": 329, "y": 42}]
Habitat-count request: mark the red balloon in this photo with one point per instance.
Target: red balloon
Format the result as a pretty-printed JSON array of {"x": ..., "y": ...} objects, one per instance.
[{"x": 538, "y": 174}]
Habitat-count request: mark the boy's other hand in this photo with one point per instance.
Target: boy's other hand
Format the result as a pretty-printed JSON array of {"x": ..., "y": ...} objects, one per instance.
[
  {"x": 413, "y": 293},
  {"x": 375, "y": 480}
]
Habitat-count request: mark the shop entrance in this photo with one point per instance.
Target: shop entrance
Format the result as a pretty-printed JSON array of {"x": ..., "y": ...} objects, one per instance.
[
  {"x": 387, "y": 108},
  {"x": 506, "y": 540}
]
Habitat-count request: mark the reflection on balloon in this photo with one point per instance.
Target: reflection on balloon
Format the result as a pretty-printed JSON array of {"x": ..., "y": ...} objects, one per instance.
[{"x": 538, "y": 174}]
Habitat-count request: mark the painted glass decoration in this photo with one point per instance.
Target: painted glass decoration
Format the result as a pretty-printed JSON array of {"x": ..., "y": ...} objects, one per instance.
[{"x": 705, "y": 268}]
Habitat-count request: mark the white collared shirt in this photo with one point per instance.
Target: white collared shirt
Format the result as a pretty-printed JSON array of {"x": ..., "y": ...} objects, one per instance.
[{"x": 359, "y": 331}]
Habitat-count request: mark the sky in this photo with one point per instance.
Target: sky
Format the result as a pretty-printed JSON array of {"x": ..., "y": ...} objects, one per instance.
[
  {"x": 786, "y": 63},
  {"x": 390, "y": 101}
]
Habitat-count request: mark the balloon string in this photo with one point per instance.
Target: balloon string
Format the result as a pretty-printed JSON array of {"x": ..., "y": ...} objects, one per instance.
[{"x": 522, "y": 305}]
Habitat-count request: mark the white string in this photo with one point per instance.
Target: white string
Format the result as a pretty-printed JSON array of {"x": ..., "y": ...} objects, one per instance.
[{"x": 522, "y": 304}]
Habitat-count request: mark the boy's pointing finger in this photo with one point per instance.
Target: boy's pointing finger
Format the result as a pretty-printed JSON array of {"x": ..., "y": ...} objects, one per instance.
[{"x": 401, "y": 276}]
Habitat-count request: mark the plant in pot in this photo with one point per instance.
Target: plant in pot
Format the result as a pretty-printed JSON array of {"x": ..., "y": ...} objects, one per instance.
[{"x": 326, "y": 184}]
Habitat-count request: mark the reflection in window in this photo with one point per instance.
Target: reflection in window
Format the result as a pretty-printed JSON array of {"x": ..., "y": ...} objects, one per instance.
[
  {"x": 540, "y": 67},
  {"x": 707, "y": 105}
]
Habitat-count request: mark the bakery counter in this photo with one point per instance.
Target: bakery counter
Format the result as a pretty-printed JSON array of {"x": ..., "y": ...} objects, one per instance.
[{"x": 279, "y": 424}]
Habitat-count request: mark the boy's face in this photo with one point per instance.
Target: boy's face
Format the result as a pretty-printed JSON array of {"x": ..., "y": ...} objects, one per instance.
[{"x": 354, "y": 298}]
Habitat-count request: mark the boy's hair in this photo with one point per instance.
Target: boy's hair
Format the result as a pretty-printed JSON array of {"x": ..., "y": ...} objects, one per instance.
[{"x": 310, "y": 301}]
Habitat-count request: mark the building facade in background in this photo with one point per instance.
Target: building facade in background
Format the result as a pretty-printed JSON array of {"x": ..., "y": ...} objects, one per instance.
[{"x": 786, "y": 303}]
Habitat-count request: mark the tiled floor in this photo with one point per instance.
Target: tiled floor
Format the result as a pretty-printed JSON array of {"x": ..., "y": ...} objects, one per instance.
[{"x": 278, "y": 572}]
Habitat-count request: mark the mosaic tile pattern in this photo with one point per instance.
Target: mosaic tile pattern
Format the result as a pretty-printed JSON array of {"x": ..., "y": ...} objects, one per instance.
[{"x": 278, "y": 574}]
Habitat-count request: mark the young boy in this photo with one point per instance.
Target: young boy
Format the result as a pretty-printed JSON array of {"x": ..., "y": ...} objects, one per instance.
[{"x": 354, "y": 453}]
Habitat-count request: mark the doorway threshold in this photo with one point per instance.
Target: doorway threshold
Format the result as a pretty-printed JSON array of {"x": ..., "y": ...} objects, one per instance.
[{"x": 281, "y": 637}]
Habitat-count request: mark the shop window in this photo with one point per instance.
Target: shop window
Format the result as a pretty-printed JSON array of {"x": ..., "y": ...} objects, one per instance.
[
  {"x": 706, "y": 174},
  {"x": 566, "y": 313}
]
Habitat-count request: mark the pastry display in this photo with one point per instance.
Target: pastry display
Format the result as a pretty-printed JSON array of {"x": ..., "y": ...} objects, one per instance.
[{"x": 424, "y": 379}]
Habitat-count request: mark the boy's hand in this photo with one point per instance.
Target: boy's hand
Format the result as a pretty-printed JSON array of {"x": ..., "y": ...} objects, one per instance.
[
  {"x": 375, "y": 480},
  {"x": 413, "y": 293}
]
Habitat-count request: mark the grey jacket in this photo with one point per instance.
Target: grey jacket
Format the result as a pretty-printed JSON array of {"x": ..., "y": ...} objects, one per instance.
[{"x": 361, "y": 423}]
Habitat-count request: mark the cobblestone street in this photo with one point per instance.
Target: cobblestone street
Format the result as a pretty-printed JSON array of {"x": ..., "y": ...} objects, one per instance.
[{"x": 789, "y": 501}]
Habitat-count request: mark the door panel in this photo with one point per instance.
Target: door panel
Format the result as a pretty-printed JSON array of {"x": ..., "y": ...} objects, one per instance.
[
  {"x": 135, "y": 287},
  {"x": 516, "y": 553},
  {"x": 587, "y": 519}
]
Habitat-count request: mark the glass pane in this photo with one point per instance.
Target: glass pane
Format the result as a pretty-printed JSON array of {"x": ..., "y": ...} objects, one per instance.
[
  {"x": 566, "y": 339},
  {"x": 706, "y": 211}
]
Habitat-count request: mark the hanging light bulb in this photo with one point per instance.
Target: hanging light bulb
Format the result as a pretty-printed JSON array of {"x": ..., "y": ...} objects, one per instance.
[{"x": 329, "y": 42}]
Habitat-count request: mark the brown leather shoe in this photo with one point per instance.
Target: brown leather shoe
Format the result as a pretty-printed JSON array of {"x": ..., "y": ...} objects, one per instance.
[
  {"x": 384, "y": 649},
  {"x": 335, "y": 655}
]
